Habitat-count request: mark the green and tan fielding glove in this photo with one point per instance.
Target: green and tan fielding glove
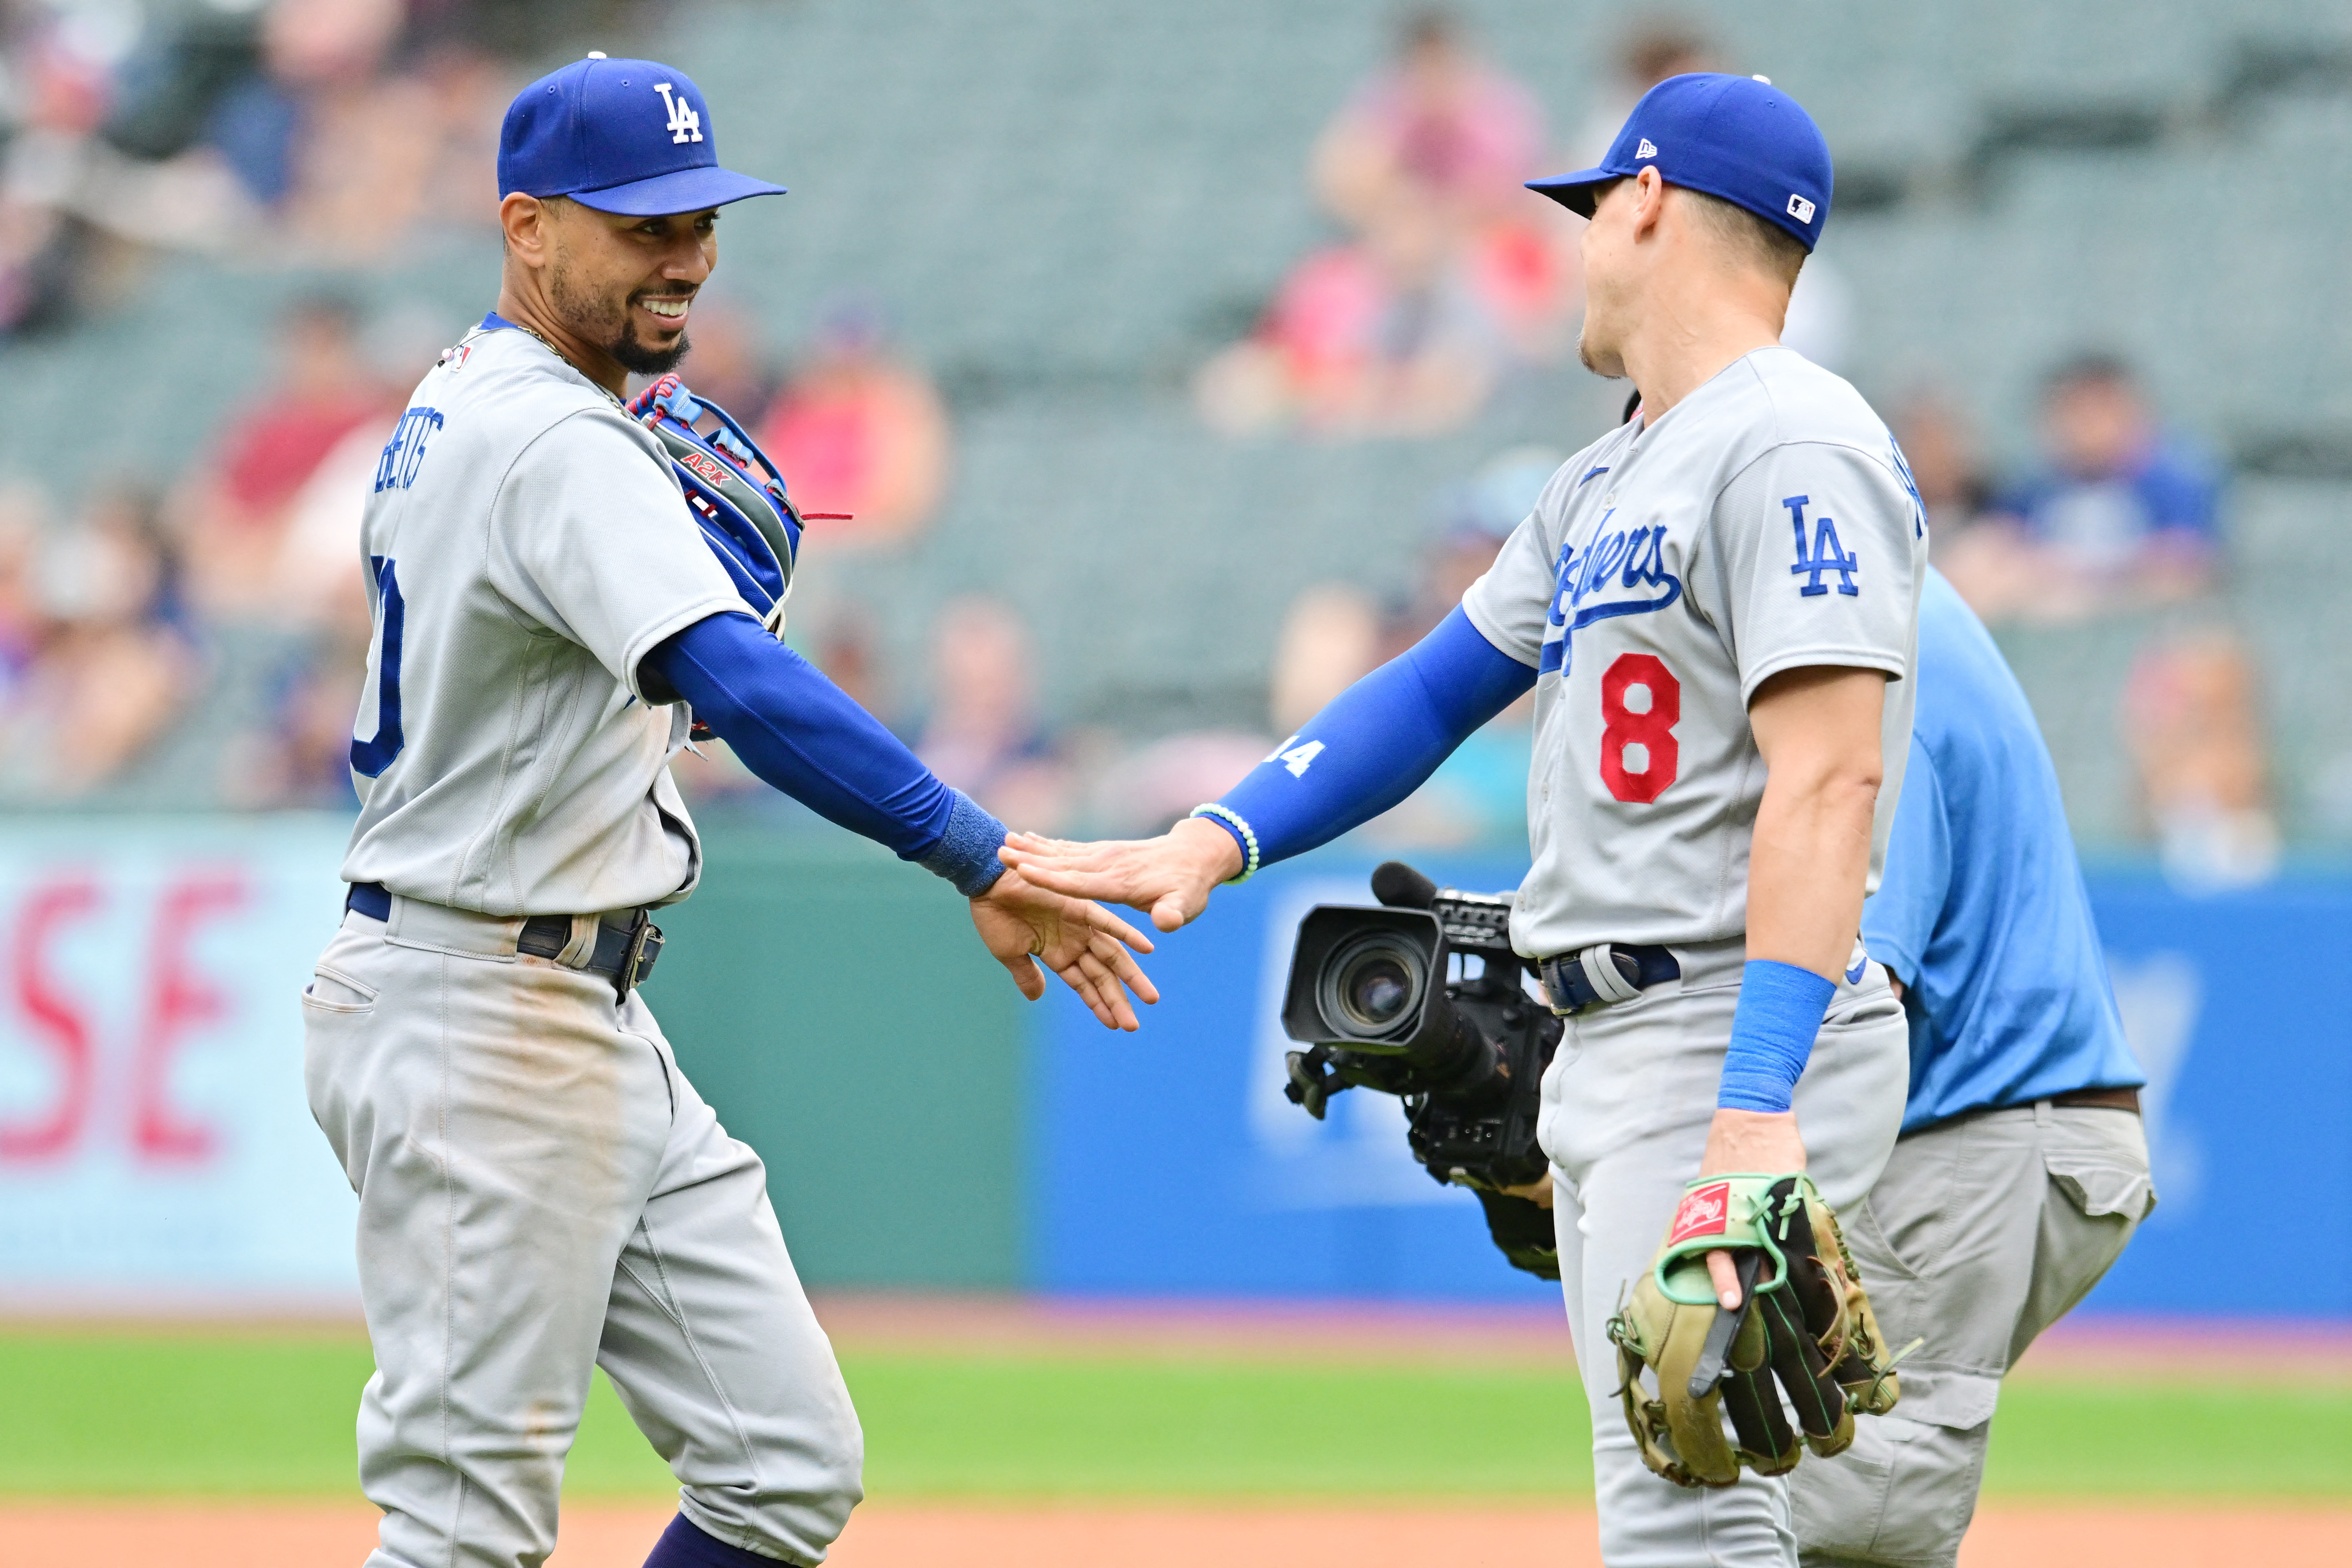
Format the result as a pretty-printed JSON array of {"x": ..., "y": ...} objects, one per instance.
[{"x": 1804, "y": 1331}]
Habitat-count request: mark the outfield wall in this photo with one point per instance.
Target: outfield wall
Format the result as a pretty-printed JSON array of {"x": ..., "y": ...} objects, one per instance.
[{"x": 923, "y": 1128}]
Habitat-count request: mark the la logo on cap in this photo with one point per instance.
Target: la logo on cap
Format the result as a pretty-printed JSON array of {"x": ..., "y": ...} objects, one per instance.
[
  {"x": 1646, "y": 150},
  {"x": 684, "y": 125}
]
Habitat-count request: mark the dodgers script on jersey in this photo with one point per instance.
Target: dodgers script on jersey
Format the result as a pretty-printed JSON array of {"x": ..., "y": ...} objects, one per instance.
[
  {"x": 1766, "y": 523},
  {"x": 526, "y": 544}
]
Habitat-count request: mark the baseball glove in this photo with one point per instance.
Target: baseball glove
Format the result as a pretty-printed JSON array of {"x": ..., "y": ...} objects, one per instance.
[
  {"x": 1803, "y": 1324},
  {"x": 737, "y": 494}
]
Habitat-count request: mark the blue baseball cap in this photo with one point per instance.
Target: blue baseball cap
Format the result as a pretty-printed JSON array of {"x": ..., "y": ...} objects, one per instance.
[
  {"x": 622, "y": 136},
  {"x": 1736, "y": 137}
]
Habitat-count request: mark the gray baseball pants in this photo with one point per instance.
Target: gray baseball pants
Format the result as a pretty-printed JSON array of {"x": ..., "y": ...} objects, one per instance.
[
  {"x": 1982, "y": 1233},
  {"x": 542, "y": 1193},
  {"x": 1626, "y": 1106}
]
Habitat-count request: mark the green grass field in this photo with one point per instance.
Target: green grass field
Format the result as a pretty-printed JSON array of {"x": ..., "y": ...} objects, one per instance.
[{"x": 237, "y": 1414}]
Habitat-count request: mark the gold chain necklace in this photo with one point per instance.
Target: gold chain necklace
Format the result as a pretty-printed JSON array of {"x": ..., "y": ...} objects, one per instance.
[{"x": 559, "y": 354}]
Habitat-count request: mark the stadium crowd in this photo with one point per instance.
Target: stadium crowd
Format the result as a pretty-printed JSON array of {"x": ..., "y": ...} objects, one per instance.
[{"x": 201, "y": 642}]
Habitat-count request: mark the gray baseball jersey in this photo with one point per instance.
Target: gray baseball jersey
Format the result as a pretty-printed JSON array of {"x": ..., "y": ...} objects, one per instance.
[
  {"x": 526, "y": 544},
  {"x": 1766, "y": 523}
]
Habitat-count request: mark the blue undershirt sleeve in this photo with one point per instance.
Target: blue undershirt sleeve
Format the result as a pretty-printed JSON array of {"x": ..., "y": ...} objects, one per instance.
[
  {"x": 799, "y": 732},
  {"x": 1376, "y": 742}
]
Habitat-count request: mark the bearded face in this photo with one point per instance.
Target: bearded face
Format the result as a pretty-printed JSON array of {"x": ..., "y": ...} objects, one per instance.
[{"x": 614, "y": 283}]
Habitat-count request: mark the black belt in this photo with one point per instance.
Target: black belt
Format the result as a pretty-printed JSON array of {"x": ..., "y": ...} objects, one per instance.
[
  {"x": 1570, "y": 986},
  {"x": 624, "y": 954}
]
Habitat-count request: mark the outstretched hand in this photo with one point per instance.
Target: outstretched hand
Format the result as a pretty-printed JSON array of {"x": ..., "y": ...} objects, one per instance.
[
  {"x": 1170, "y": 878},
  {"x": 1083, "y": 943}
]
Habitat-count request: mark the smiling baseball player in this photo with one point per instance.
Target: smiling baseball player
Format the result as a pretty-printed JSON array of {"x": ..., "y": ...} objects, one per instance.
[
  {"x": 542, "y": 1192},
  {"x": 1716, "y": 606}
]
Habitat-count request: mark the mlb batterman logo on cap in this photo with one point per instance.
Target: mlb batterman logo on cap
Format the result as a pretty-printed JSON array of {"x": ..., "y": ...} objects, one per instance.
[
  {"x": 1736, "y": 137},
  {"x": 632, "y": 137}
]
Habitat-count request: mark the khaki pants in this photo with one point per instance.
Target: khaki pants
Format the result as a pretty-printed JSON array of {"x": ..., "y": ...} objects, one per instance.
[
  {"x": 1981, "y": 1234},
  {"x": 1626, "y": 1106},
  {"x": 542, "y": 1193}
]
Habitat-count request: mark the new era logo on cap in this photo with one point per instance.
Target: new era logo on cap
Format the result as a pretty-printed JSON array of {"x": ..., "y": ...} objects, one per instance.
[
  {"x": 1801, "y": 209},
  {"x": 1646, "y": 150}
]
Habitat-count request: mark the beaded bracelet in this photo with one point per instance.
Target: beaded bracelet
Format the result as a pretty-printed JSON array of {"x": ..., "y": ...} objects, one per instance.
[{"x": 1249, "y": 836}]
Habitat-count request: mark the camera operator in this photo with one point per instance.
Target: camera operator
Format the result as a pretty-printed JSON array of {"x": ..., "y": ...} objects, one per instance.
[
  {"x": 2022, "y": 1167},
  {"x": 1716, "y": 717}
]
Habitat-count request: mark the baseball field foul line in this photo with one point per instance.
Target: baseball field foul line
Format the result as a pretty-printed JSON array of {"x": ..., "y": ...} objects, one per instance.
[{"x": 309, "y": 1535}]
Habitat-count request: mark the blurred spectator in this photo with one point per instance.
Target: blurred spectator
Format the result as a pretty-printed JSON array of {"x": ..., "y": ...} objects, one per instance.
[
  {"x": 983, "y": 736},
  {"x": 111, "y": 660},
  {"x": 1473, "y": 518},
  {"x": 724, "y": 363},
  {"x": 859, "y": 431},
  {"x": 2124, "y": 514},
  {"x": 354, "y": 156},
  {"x": 1941, "y": 454},
  {"x": 1438, "y": 132},
  {"x": 1330, "y": 638},
  {"x": 59, "y": 69},
  {"x": 842, "y": 646},
  {"x": 1378, "y": 337},
  {"x": 300, "y": 755},
  {"x": 1145, "y": 792},
  {"x": 1451, "y": 275},
  {"x": 20, "y": 615},
  {"x": 1478, "y": 795},
  {"x": 331, "y": 130},
  {"x": 1647, "y": 54},
  {"x": 2192, "y": 718},
  {"x": 327, "y": 405}
]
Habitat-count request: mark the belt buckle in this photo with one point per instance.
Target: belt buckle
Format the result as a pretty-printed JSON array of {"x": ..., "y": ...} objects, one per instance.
[
  {"x": 1562, "y": 976},
  {"x": 638, "y": 957}
]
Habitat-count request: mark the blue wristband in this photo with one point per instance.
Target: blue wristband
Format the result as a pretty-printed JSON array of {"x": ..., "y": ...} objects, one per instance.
[
  {"x": 966, "y": 853},
  {"x": 1779, "y": 1012}
]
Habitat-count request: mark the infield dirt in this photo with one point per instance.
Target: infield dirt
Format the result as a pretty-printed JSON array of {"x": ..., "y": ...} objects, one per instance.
[{"x": 1504, "y": 1535}]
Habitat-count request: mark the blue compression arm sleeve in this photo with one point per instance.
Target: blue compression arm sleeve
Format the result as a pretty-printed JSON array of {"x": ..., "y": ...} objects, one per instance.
[
  {"x": 1376, "y": 741},
  {"x": 802, "y": 733},
  {"x": 1773, "y": 1029}
]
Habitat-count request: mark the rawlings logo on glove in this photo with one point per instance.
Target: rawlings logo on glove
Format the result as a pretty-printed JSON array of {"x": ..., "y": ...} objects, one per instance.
[
  {"x": 1703, "y": 1211},
  {"x": 1804, "y": 1339}
]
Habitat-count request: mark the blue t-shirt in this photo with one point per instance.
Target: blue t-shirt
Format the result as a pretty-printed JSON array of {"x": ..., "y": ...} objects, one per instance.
[
  {"x": 2171, "y": 489},
  {"x": 1982, "y": 914}
]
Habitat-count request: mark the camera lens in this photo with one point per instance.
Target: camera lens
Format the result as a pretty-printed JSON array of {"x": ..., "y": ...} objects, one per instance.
[
  {"x": 1372, "y": 987},
  {"x": 1378, "y": 990}
]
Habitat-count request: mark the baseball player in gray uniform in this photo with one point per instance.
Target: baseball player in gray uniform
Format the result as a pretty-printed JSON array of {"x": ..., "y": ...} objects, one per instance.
[
  {"x": 1716, "y": 606},
  {"x": 540, "y": 1189}
]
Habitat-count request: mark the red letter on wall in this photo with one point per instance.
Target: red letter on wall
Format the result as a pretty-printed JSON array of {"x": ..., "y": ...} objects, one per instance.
[
  {"x": 66, "y": 1031},
  {"x": 177, "y": 1003}
]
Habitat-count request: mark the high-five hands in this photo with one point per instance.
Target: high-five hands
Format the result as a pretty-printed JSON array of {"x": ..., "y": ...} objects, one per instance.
[
  {"x": 1170, "y": 878},
  {"x": 1084, "y": 943},
  {"x": 1747, "y": 1142}
]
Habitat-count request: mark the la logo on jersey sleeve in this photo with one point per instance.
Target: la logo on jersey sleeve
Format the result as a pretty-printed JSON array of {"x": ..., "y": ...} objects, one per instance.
[{"x": 1829, "y": 554}]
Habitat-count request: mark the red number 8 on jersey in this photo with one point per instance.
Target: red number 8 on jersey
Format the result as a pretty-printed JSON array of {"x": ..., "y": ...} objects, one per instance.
[{"x": 1639, "y": 775}]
